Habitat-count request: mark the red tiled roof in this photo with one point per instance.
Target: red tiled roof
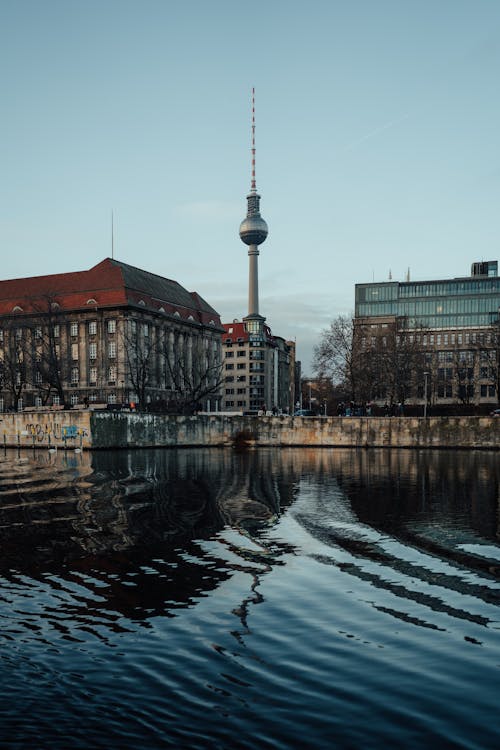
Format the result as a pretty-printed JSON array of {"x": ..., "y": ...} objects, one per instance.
[
  {"x": 238, "y": 331},
  {"x": 111, "y": 284}
]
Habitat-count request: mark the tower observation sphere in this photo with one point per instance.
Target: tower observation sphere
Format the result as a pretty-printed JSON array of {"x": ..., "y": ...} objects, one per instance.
[{"x": 253, "y": 228}]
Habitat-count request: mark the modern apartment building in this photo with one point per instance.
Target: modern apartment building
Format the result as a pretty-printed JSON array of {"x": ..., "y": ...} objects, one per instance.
[
  {"x": 113, "y": 334},
  {"x": 258, "y": 370},
  {"x": 452, "y": 324}
]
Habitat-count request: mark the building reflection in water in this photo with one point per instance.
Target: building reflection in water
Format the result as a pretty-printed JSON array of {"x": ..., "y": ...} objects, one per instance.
[{"x": 136, "y": 529}]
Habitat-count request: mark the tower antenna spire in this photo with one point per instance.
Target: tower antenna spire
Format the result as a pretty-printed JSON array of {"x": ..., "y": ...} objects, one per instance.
[
  {"x": 254, "y": 181},
  {"x": 112, "y": 237}
]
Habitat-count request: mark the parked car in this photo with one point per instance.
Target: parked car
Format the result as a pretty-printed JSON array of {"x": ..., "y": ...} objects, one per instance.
[
  {"x": 304, "y": 413},
  {"x": 495, "y": 413}
]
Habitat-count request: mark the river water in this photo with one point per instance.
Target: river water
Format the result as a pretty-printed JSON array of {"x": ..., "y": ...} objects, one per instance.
[{"x": 264, "y": 599}]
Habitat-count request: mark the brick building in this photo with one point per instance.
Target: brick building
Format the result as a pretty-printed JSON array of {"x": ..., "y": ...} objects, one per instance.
[{"x": 113, "y": 334}]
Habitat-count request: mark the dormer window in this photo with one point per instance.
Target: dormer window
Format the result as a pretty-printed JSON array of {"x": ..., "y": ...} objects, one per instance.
[
  {"x": 91, "y": 301},
  {"x": 16, "y": 308},
  {"x": 177, "y": 314},
  {"x": 190, "y": 317},
  {"x": 162, "y": 309},
  {"x": 142, "y": 303}
]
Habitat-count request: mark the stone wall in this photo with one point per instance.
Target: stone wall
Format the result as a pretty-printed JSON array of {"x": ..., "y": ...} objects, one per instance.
[
  {"x": 123, "y": 429},
  {"x": 100, "y": 430},
  {"x": 46, "y": 429}
]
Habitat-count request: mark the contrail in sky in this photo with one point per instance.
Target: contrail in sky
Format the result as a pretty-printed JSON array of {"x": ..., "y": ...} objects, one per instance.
[{"x": 375, "y": 132}]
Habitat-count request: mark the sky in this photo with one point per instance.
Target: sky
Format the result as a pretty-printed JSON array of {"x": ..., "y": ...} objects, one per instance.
[{"x": 377, "y": 137}]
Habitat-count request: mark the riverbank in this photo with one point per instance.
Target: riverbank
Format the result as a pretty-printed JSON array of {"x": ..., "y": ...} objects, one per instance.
[{"x": 98, "y": 430}]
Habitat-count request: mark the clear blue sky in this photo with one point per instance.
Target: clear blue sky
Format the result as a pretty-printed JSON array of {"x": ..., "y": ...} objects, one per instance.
[{"x": 378, "y": 144}]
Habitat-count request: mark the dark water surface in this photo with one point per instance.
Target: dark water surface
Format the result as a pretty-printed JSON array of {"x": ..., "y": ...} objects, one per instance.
[{"x": 272, "y": 599}]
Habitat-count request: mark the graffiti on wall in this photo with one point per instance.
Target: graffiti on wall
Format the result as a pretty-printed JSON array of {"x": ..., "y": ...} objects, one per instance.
[{"x": 53, "y": 431}]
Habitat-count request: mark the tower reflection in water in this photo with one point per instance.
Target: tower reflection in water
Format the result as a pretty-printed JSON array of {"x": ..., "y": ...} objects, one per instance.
[{"x": 142, "y": 531}]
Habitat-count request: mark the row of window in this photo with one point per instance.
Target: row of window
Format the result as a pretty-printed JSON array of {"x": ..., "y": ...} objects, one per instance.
[
  {"x": 74, "y": 399},
  {"x": 56, "y": 330},
  {"x": 394, "y": 291}
]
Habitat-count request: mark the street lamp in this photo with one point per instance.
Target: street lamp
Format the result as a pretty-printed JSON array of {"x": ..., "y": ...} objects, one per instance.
[{"x": 426, "y": 375}]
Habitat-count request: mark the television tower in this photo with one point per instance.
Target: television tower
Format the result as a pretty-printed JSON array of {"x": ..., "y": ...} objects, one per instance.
[{"x": 253, "y": 232}]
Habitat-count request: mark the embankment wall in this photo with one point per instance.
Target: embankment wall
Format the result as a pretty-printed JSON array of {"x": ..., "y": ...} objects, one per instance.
[{"x": 100, "y": 430}]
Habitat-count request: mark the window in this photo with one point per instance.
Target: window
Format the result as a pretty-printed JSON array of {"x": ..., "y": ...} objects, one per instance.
[
  {"x": 241, "y": 354},
  {"x": 38, "y": 376},
  {"x": 93, "y": 351},
  {"x": 111, "y": 326},
  {"x": 241, "y": 390},
  {"x": 145, "y": 330},
  {"x": 229, "y": 403},
  {"x": 229, "y": 378},
  {"x": 73, "y": 399},
  {"x": 93, "y": 375},
  {"x": 230, "y": 354},
  {"x": 242, "y": 403},
  {"x": 56, "y": 401},
  {"x": 112, "y": 375},
  {"x": 38, "y": 401},
  {"x": 19, "y": 334},
  {"x": 74, "y": 375},
  {"x": 73, "y": 329},
  {"x": 230, "y": 366},
  {"x": 38, "y": 332},
  {"x": 112, "y": 398},
  {"x": 240, "y": 366},
  {"x": 133, "y": 326},
  {"x": 92, "y": 327},
  {"x": 112, "y": 349},
  {"x": 229, "y": 391},
  {"x": 74, "y": 352},
  {"x": 1, "y": 336}
]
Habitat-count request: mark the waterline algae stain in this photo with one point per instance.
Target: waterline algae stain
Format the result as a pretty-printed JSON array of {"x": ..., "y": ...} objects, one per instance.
[{"x": 249, "y": 599}]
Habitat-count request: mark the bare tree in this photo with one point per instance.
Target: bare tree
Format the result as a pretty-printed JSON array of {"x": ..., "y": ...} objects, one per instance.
[
  {"x": 338, "y": 358},
  {"x": 149, "y": 360},
  {"x": 50, "y": 351},
  {"x": 140, "y": 352},
  {"x": 15, "y": 362},
  {"x": 193, "y": 384},
  {"x": 399, "y": 361}
]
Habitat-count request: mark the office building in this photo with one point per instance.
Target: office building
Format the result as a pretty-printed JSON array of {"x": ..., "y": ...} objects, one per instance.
[{"x": 450, "y": 326}]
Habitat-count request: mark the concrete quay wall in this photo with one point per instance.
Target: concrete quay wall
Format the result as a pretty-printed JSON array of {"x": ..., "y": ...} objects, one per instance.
[
  {"x": 147, "y": 430},
  {"x": 101, "y": 430}
]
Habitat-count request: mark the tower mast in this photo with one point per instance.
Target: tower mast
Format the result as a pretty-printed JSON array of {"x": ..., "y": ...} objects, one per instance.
[{"x": 253, "y": 232}]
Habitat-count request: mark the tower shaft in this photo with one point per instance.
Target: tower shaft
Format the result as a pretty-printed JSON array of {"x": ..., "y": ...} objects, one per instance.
[
  {"x": 253, "y": 232},
  {"x": 253, "y": 280}
]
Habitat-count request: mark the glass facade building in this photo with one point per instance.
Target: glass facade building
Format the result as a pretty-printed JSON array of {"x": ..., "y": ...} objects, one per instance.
[
  {"x": 453, "y": 326},
  {"x": 471, "y": 302}
]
